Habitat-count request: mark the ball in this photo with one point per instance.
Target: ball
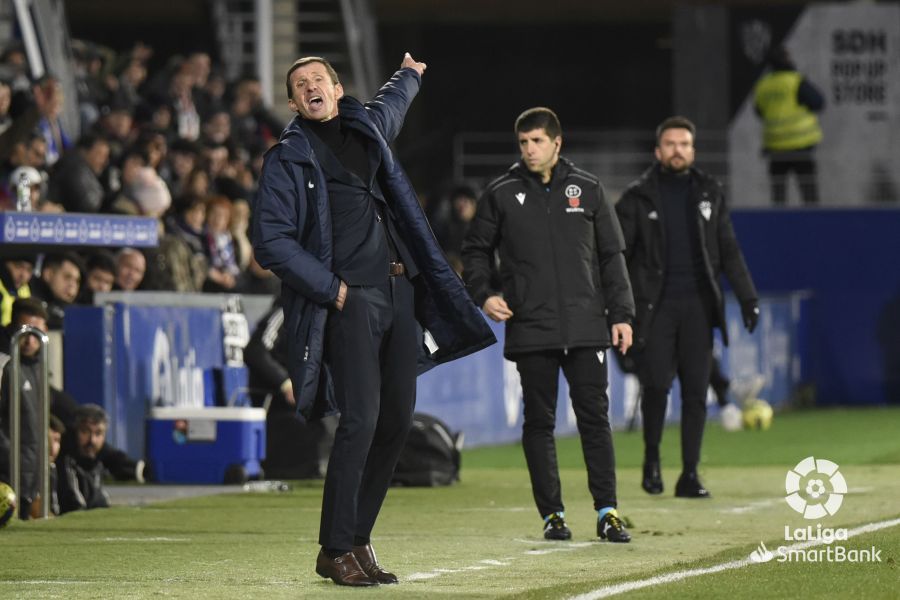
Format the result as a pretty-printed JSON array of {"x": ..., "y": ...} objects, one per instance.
[
  {"x": 732, "y": 419},
  {"x": 7, "y": 503},
  {"x": 758, "y": 415}
]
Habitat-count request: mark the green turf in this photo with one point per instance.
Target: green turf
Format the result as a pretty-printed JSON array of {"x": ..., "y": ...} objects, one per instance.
[
  {"x": 481, "y": 538},
  {"x": 793, "y": 435}
]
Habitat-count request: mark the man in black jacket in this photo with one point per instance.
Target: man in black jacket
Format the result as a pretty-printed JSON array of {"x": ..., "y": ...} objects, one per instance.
[
  {"x": 79, "y": 468},
  {"x": 25, "y": 311},
  {"x": 679, "y": 240},
  {"x": 565, "y": 298},
  {"x": 58, "y": 285}
]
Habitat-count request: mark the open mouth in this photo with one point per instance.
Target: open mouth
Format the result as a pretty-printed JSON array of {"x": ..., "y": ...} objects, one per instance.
[{"x": 316, "y": 102}]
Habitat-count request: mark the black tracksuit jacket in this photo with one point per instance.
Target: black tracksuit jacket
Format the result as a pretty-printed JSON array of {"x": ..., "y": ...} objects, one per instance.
[
  {"x": 641, "y": 214},
  {"x": 561, "y": 267}
]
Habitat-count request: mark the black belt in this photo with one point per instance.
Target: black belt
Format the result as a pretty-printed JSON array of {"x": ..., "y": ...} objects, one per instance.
[{"x": 396, "y": 268}]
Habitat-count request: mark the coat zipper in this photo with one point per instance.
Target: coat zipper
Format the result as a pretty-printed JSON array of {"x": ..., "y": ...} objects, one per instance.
[{"x": 562, "y": 321}]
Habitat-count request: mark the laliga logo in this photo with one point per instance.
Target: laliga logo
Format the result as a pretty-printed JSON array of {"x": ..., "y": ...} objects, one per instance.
[
  {"x": 818, "y": 503},
  {"x": 761, "y": 554}
]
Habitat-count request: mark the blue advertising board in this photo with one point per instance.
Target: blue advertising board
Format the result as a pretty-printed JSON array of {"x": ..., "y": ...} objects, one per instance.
[
  {"x": 132, "y": 358},
  {"x": 77, "y": 229}
]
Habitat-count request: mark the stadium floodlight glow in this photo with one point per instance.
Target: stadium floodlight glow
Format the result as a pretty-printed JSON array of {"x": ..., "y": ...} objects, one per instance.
[{"x": 815, "y": 471}]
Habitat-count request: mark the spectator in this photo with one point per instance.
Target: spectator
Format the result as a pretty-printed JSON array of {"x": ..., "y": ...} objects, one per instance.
[
  {"x": 121, "y": 466},
  {"x": 197, "y": 183},
  {"x": 217, "y": 127},
  {"x": 150, "y": 192},
  {"x": 29, "y": 151},
  {"x": 90, "y": 69},
  {"x": 116, "y": 126},
  {"x": 49, "y": 124},
  {"x": 76, "y": 182},
  {"x": 58, "y": 285},
  {"x": 5, "y": 102},
  {"x": 54, "y": 442},
  {"x": 787, "y": 103},
  {"x": 14, "y": 66},
  {"x": 25, "y": 311},
  {"x": 181, "y": 96},
  {"x": 26, "y": 152},
  {"x": 239, "y": 227},
  {"x": 180, "y": 263},
  {"x": 56, "y": 433},
  {"x": 80, "y": 469},
  {"x": 15, "y": 273},
  {"x": 130, "y": 268},
  {"x": 100, "y": 276},
  {"x": 27, "y": 113},
  {"x": 251, "y": 120},
  {"x": 152, "y": 143},
  {"x": 125, "y": 181},
  {"x": 131, "y": 78},
  {"x": 223, "y": 268},
  {"x": 452, "y": 230},
  {"x": 182, "y": 160}
]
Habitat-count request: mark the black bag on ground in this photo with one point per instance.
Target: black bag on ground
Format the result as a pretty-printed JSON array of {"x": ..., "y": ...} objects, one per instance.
[{"x": 431, "y": 456}]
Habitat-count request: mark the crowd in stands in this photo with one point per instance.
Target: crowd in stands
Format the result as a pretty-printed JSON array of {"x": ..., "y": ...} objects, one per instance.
[{"x": 181, "y": 144}]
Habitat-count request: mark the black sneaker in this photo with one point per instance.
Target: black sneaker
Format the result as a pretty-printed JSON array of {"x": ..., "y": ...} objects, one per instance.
[
  {"x": 555, "y": 527},
  {"x": 652, "y": 481},
  {"x": 611, "y": 528},
  {"x": 689, "y": 486}
]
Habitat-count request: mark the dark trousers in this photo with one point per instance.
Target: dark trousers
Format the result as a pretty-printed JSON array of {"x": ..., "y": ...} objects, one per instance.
[
  {"x": 679, "y": 342},
  {"x": 371, "y": 352},
  {"x": 803, "y": 164},
  {"x": 585, "y": 371}
]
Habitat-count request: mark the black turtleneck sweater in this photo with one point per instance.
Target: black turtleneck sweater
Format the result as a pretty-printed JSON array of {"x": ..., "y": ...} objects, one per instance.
[
  {"x": 347, "y": 144},
  {"x": 363, "y": 240},
  {"x": 684, "y": 258}
]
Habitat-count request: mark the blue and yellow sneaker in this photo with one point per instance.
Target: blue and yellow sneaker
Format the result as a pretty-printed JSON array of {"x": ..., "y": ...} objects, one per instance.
[
  {"x": 610, "y": 527},
  {"x": 555, "y": 527}
]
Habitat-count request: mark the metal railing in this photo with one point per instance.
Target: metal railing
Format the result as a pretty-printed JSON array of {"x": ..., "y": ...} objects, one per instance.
[
  {"x": 617, "y": 157},
  {"x": 15, "y": 416}
]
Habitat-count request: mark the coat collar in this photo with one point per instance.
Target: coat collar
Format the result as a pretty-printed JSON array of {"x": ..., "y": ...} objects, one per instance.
[
  {"x": 562, "y": 170},
  {"x": 300, "y": 146}
]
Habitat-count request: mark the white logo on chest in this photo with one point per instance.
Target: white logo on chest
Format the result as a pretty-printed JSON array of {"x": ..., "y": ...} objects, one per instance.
[
  {"x": 705, "y": 209},
  {"x": 521, "y": 197},
  {"x": 573, "y": 191}
]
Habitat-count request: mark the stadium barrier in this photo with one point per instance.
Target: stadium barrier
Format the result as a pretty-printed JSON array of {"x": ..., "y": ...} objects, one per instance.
[{"x": 141, "y": 352}]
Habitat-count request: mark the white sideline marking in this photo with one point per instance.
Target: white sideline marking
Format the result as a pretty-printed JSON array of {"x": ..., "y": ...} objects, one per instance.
[
  {"x": 46, "y": 582},
  {"x": 621, "y": 588},
  {"x": 567, "y": 548},
  {"x": 139, "y": 539},
  {"x": 759, "y": 504}
]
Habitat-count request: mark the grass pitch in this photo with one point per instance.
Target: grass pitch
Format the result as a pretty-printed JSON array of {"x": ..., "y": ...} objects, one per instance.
[{"x": 482, "y": 538}]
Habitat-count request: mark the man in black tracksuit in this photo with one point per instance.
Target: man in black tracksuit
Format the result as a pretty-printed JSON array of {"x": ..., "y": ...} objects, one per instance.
[
  {"x": 565, "y": 297},
  {"x": 679, "y": 240}
]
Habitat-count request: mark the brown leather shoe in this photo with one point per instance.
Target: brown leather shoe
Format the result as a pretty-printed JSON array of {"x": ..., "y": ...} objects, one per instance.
[
  {"x": 343, "y": 570},
  {"x": 365, "y": 555}
]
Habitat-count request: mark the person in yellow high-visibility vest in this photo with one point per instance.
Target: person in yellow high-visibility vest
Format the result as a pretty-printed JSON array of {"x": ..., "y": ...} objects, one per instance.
[
  {"x": 15, "y": 273},
  {"x": 787, "y": 103}
]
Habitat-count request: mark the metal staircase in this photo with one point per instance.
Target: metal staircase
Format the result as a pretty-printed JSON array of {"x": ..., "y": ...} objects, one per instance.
[{"x": 266, "y": 36}]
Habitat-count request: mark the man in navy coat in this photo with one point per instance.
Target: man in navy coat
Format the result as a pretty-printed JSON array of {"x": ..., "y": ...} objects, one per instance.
[{"x": 368, "y": 296}]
